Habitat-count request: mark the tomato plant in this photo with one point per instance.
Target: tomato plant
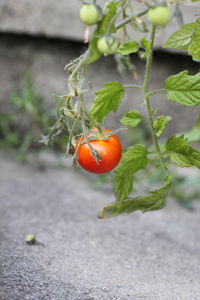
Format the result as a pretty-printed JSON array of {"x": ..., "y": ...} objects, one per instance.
[
  {"x": 99, "y": 150},
  {"x": 108, "y": 147}
]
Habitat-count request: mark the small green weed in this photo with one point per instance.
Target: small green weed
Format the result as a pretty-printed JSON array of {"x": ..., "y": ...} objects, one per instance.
[{"x": 27, "y": 120}]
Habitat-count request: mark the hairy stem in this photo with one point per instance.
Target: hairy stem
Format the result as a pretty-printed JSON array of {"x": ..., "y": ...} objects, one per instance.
[
  {"x": 71, "y": 134},
  {"x": 80, "y": 64},
  {"x": 147, "y": 97},
  {"x": 73, "y": 78}
]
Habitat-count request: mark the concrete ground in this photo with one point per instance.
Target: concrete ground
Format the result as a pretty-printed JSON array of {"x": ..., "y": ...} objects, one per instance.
[{"x": 153, "y": 256}]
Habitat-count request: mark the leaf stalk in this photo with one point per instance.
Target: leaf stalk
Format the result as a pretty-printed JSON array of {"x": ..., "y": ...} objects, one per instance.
[{"x": 131, "y": 18}]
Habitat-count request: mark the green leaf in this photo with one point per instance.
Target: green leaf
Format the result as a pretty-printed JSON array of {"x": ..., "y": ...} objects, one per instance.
[
  {"x": 195, "y": 158},
  {"x": 180, "y": 160},
  {"x": 187, "y": 38},
  {"x": 146, "y": 45},
  {"x": 133, "y": 160},
  {"x": 181, "y": 152},
  {"x": 160, "y": 123},
  {"x": 181, "y": 38},
  {"x": 154, "y": 111},
  {"x": 107, "y": 100},
  {"x": 101, "y": 29},
  {"x": 155, "y": 200},
  {"x": 132, "y": 118},
  {"x": 194, "y": 134},
  {"x": 178, "y": 144},
  {"x": 128, "y": 48},
  {"x": 184, "y": 88},
  {"x": 194, "y": 47}
]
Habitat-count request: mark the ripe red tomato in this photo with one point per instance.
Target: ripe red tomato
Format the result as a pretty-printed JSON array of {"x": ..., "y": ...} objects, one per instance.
[{"x": 110, "y": 151}]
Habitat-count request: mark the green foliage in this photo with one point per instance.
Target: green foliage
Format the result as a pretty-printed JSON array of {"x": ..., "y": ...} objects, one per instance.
[
  {"x": 74, "y": 122},
  {"x": 181, "y": 152},
  {"x": 133, "y": 160},
  {"x": 101, "y": 30},
  {"x": 27, "y": 107},
  {"x": 181, "y": 38},
  {"x": 146, "y": 45},
  {"x": 160, "y": 123},
  {"x": 131, "y": 118},
  {"x": 128, "y": 48},
  {"x": 181, "y": 88},
  {"x": 107, "y": 99},
  {"x": 194, "y": 134},
  {"x": 155, "y": 200},
  {"x": 186, "y": 38},
  {"x": 194, "y": 47},
  {"x": 184, "y": 88}
]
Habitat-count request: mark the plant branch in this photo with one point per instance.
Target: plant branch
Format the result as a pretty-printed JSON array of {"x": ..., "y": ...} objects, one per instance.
[
  {"x": 131, "y": 18},
  {"x": 73, "y": 78},
  {"x": 80, "y": 64},
  {"x": 93, "y": 122},
  {"x": 54, "y": 127},
  {"x": 147, "y": 97},
  {"x": 71, "y": 134},
  {"x": 157, "y": 92},
  {"x": 130, "y": 86}
]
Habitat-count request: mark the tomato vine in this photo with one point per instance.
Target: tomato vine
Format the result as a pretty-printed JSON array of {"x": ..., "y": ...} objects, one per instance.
[{"x": 85, "y": 128}]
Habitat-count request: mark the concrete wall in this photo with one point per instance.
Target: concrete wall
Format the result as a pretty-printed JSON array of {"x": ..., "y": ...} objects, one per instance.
[{"x": 61, "y": 18}]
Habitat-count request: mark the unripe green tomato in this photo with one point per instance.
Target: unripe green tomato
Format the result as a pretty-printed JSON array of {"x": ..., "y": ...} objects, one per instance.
[
  {"x": 89, "y": 14},
  {"x": 107, "y": 45},
  {"x": 159, "y": 15}
]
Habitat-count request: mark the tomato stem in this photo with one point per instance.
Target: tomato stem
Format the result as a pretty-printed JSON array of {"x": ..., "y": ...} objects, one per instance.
[
  {"x": 53, "y": 128},
  {"x": 71, "y": 135},
  {"x": 95, "y": 153},
  {"x": 73, "y": 78},
  {"x": 147, "y": 96},
  {"x": 132, "y": 86},
  {"x": 157, "y": 92},
  {"x": 131, "y": 18}
]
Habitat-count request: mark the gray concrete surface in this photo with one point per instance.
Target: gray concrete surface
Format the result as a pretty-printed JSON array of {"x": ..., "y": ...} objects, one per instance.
[
  {"x": 153, "y": 256},
  {"x": 61, "y": 19}
]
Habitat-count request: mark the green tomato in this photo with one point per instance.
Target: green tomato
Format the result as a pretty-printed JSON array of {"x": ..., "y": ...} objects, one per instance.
[
  {"x": 159, "y": 15},
  {"x": 89, "y": 14},
  {"x": 107, "y": 45}
]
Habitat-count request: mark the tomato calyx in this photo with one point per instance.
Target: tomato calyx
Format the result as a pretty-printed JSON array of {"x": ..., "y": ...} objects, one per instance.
[
  {"x": 96, "y": 155},
  {"x": 95, "y": 135}
]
